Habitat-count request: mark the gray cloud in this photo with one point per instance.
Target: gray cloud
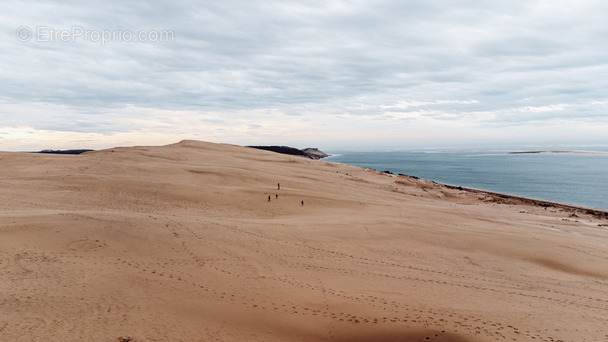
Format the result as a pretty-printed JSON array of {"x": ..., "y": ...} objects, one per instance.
[{"x": 308, "y": 58}]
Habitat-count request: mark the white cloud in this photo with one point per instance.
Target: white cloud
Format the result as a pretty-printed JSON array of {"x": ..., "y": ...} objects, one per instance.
[
  {"x": 259, "y": 70},
  {"x": 540, "y": 109},
  {"x": 409, "y": 104}
]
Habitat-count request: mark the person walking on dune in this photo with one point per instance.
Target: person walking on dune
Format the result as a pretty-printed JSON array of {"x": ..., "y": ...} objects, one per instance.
[
  {"x": 278, "y": 186},
  {"x": 268, "y": 198}
]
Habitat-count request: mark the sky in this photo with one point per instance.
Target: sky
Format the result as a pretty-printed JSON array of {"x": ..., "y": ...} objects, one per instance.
[{"x": 327, "y": 74}]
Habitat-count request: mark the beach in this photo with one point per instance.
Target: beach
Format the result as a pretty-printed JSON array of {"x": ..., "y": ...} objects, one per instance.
[{"x": 195, "y": 241}]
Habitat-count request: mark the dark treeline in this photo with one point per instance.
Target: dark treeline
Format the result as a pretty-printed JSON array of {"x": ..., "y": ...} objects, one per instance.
[{"x": 64, "y": 151}]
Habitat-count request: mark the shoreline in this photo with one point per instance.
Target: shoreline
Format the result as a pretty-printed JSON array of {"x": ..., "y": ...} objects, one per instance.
[
  {"x": 596, "y": 212},
  {"x": 530, "y": 198},
  {"x": 502, "y": 197}
]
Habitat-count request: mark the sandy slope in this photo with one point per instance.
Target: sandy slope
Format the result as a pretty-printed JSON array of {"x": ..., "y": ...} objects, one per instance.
[{"x": 179, "y": 243}]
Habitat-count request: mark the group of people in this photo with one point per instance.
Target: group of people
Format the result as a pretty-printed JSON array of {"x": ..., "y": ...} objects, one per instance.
[{"x": 276, "y": 196}]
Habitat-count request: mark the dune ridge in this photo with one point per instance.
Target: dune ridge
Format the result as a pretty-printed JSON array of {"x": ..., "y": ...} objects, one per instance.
[{"x": 180, "y": 243}]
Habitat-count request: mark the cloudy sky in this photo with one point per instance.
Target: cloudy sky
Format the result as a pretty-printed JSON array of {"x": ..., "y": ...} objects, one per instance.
[{"x": 330, "y": 74}]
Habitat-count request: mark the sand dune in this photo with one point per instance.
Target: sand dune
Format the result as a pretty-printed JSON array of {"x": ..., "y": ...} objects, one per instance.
[{"x": 180, "y": 243}]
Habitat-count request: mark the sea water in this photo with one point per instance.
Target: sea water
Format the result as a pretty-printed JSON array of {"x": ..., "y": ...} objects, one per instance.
[{"x": 577, "y": 178}]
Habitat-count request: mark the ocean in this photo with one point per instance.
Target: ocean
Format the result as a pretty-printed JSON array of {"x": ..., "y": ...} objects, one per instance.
[{"x": 577, "y": 178}]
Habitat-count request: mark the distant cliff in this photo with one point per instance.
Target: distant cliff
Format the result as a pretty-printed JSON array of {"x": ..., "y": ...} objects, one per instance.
[{"x": 312, "y": 153}]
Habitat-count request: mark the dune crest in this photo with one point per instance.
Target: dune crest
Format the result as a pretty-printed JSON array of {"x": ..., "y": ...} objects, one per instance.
[{"x": 194, "y": 241}]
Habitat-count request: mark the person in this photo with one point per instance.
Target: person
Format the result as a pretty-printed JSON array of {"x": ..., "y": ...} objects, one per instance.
[
  {"x": 276, "y": 196},
  {"x": 302, "y": 203},
  {"x": 278, "y": 186},
  {"x": 268, "y": 198}
]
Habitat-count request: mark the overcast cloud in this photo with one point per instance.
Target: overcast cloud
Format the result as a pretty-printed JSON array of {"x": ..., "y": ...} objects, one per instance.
[{"x": 329, "y": 74}]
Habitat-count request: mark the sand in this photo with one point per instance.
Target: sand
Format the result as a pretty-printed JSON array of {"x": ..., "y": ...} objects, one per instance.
[{"x": 180, "y": 243}]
